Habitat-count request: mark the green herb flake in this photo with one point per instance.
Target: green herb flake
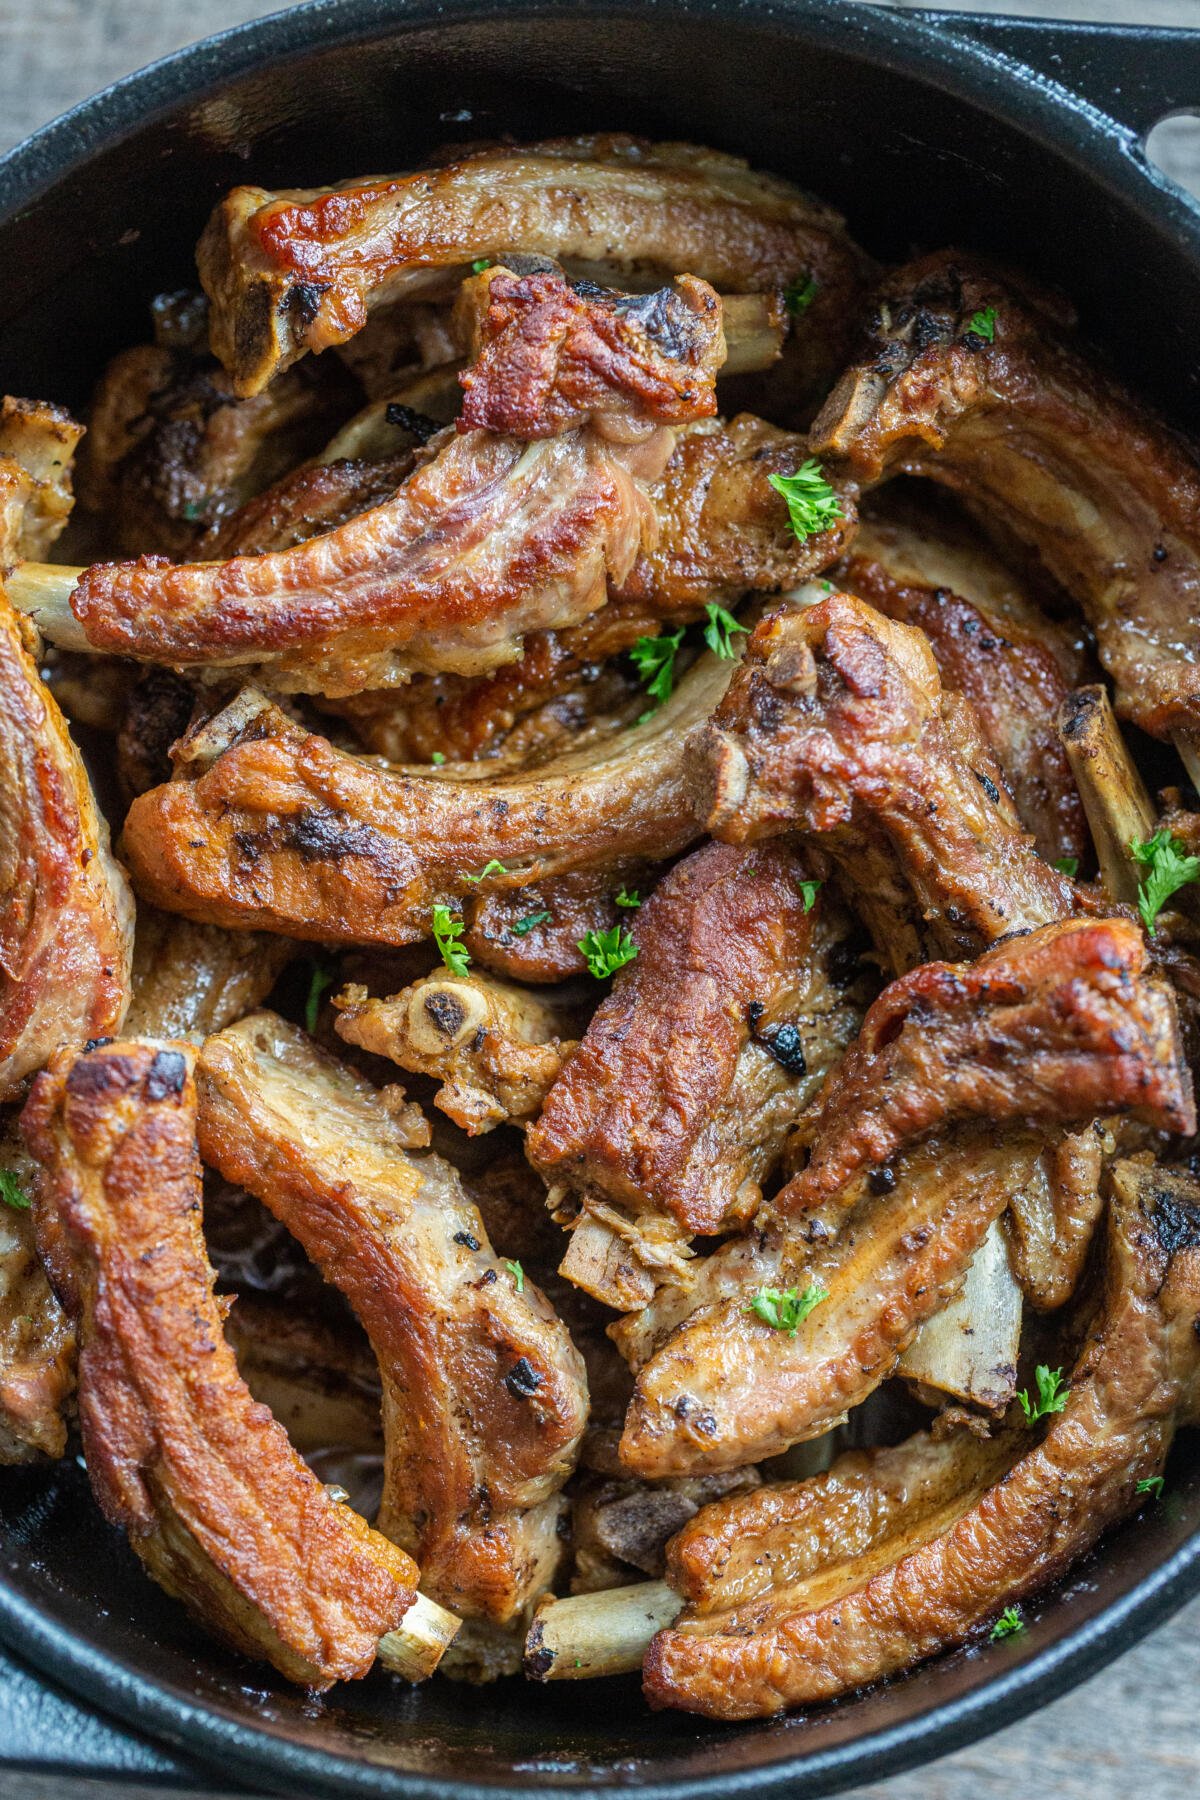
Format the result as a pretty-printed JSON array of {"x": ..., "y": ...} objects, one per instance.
[
  {"x": 983, "y": 324},
  {"x": 517, "y": 1273},
  {"x": 811, "y": 502},
  {"x": 1151, "y": 1484},
  {"x": 446, "y": 932},
  {"x": 321, "y": 979},
  {"x": 799, "y": 295},
  {"x": 524, "y": 926},
  {"x": 607, "y": 951},
  {"x": 808, "y": 893},
  {"x": 1068, "y": 865},
  {"x": 1170, "y": 869},
  {"x": 438, "y": 758},
  {"x": 1009, "y": 1624},
  {"x": 720, "y": 631},
  {"x": 785, "y": 1309},
  {"x": 193, "y": 510},
  {"x": 489, "y": 868},
  {"x": 480, "y": 264},
  {"x": 626, "y": 898},
  {"x": 12, "y": 1193},
  {"x": 654, "y": 660},
  {"x": 1051, "y": 1395}
]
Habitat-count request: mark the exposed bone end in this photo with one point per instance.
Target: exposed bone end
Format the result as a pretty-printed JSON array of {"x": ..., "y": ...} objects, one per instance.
[
  {"x": 605, "y": 1265},
  {"x": 1114, "y": 796},
  {"x": 444, "y": 1014},
  {"x": 755, "y": 328},
  {"x": 724, "y": 779},
  {"x": 416, "y": 1647},
  {"x": 969, "y": 1349},
  {"x": 598, "y": 1634},
  {"x": 200, "y": 748},
  {"x": 41, "y": 592},
  {"x": 1188, "y": 746}
]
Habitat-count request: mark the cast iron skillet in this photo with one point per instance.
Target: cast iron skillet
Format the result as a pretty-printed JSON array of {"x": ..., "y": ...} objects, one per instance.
[{"x": 927, "y": 130}]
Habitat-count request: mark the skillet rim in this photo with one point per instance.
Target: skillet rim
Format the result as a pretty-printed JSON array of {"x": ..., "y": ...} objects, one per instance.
[{"x": 1057, "y": 118}]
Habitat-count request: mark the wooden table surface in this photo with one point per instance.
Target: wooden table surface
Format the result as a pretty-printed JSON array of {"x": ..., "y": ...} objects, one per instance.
[{"x": 1133, "y": 1732}]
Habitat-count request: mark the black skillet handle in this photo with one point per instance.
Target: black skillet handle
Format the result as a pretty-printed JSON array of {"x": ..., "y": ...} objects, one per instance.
[{"x": 1137, "y": 74}]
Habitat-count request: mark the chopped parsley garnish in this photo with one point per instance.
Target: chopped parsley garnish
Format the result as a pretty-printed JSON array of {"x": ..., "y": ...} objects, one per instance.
[
  {"x": 1051, "y": 1395},
  {"x": 799, "y": 295},
  {"x": 1008, "y": 1624},
  {"x": 438, "y": 758},
  {"x": 719, "y": 632},
  {"x": 446, "y": 932},
  {"x": 1170, "y": 869},
  {"x": 12, "y": 1193},
  {"x": 517, "y": 1273},
  {"x": 983, "y": 324},
  {"x": 808, "y": 893},
  {"x": 480, "y": 264},
  {"x": 625, "y": 898},
  {"x": 811, "y": 502},
  {"x": 489, "y": 868},
  {"x": 524, "y": 926},
  {"x": 785, "y": 1309},
  {"x": 1151, "y": 1484},
  {"x": 193, "y": 510},
  {"x": 607, "y": 951},
  {"x": 1068, "y": 865},
  {"x": 322, "y": 978},
  {"x": 654, "y": 659}
]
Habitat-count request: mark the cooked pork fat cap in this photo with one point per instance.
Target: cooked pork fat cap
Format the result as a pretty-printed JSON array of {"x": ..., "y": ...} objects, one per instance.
[
  {"x": 37, "y": 1340},
  {"x": 1079, "y": 1027},
  {"x": 220, "y": 1508},
  {"x": 836, "y": 725},
  {"x": 1053, "y": 1026},
  {"x": 66, "y": 925},
  {"x": 496, "y": 1048},
  {"x": 803, "y": 1592},
  {"x": 37, "y": 448},
  {"x": 708, "y": 1048},
  {"x": 1011, "y": 677},
  {"x": 1015, "y": 419},
  {"x": 297, "y": 271},
  {"x": 189, "y": 980},
  {"x": 279, "y": 831},
  {"x": 485, "y": 1397}
]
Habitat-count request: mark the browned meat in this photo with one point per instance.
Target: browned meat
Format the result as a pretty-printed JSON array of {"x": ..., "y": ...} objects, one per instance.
[
  {"x": 272, "y": 828},
  {"x": 835, "y": 724},
  {"x": 1011, "y": 677},
  {"x": 1014, "y": 418},
  {"x": 803, "y": 1592},
  {"x": 484, "y": 1396},
  {"x": 722, "y": 527},
  {"x": 217, "y": 1504},
  {"x": 533, "y": 933},
  {"x": 171, "y": 450},
  {"x": 308, "y": 502},
  {"x": 189, "y": 980},
  {"x": 66, "y": 922},
  {"x": 37, "y": 446},
  {"x": 1053, "y": 1213},
  {"x": 1059, "y": 1024},
  {"x": 548, "y": 357},
  {"x": 319, "y": 1379},
  {"x": 1079, "y": 1027},
  {"x": 621, "y": 1528},
  {"x": 294, "y": 272},
  {"x": 675, "y": 1107},
  {"x": 158, "y": 708},
  {"x": 495, "y": 1048},
  {"x": 37, "y": 1340}
]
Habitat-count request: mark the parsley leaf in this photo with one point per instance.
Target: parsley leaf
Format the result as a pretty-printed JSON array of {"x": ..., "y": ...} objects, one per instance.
[
  {"x": 517, "y": 1273},
  {"x": 322, "y": 978},
  {"x": 808, "y": 893},
  {"x": 625, "y": 898},
  {"x": 983, "y": 324},
  {"x": 1008, "y": 1624},
  {"x": 524, "y": 926},
  {"x": 1170, "y": 869},
  {"x": 489, "y": 868},
  {"x": 1151, "y": 1484},
  {"x": 785, "y": 1309},
  {"x": 719, "y": 631},
  {"x": 811, "y": 502},
  {"x": 607, "y": 951},
  {"x": 799, "y": 295},
  {"x": 446, "y": 932},
  {"x": 1068, "y": 865},
  {"x": 480, "y": 264},
  {"x": 12, "y": 1193},
  {"x": 654, "y": 659},
  {"x": 1051, "y": 1395},
  {"x": 438, "y": 758}
]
